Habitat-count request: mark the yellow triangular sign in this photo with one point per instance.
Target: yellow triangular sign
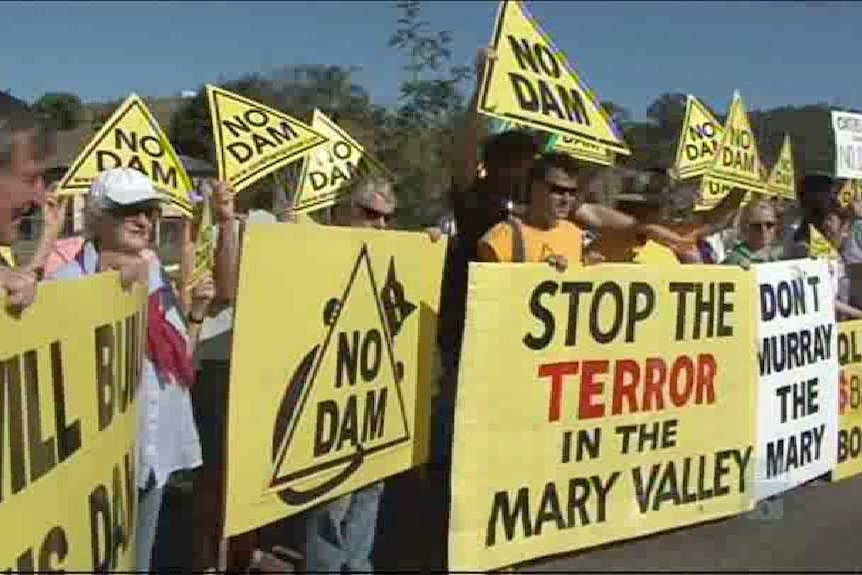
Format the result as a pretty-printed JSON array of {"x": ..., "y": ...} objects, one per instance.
[
  {"x": 346, "y": 404},
  {"x": 698, "y": 141},
  {"x": 782, "y": 178},
  {"x": 131, "y": 138},
  {"x": 253, "y": 140},
  {"x": 737, "y": 162},
  {"x": 819, "y": 247},
  {"x": 204, "y": 245},
  {"x": 850, "y": 191},
  {"x": 530, "y": 82},
  {"x": 585, "y": 150},
  {"x": 328, "y": 169}
]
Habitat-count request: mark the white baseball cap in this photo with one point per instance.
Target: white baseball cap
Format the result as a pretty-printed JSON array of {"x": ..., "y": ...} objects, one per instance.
[{"x": 122, "y": 186}]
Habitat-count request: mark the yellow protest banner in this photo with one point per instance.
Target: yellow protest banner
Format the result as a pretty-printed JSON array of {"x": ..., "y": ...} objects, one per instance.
[
  {"x": 595, "y": 407},
  {"x": 338, "y": 403},
  {"x": 849, "y": 192},
  {"x": 850, "y": 431},
  {"x": 698, "y": 141},
  {"x": 782, "y": 178},
  {"x": 819, "y": 246},
  {"x": 132, "y": 138},
  {"x": 328, "y": 169},
  {"x": 531, "y": 82},
  {"x": 204, "y": 244},
  {"x": 253, "y": 140},
  {"x": 69, "y": 376},
  {"x": 737, "y": 162}
]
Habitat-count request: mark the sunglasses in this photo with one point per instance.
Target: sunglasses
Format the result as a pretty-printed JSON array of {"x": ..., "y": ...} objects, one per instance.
[
  {"x": 761, "y": 225},
  {"x": 152, "y": 211}
]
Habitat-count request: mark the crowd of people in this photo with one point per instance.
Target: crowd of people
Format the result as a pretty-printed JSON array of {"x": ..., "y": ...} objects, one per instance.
[{"x": 526, "y": 206}]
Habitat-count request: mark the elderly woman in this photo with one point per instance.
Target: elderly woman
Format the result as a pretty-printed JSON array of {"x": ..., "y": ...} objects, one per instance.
[
  {"x": 757, "y": 228},
  {"x": 122, "y": 208}
]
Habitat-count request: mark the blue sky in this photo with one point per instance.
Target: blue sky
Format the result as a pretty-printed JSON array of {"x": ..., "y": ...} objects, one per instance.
[{"x": 775, "y": 53}]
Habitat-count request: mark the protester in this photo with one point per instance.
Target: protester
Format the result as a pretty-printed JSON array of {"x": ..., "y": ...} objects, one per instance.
[
  {"x": 757, "y": 228},
  {"x": 121, "y": 211},
  {"x": 340, "y": 534},
  {"x": 545, "y": 235},
  {"x": 23, "y": 147}
]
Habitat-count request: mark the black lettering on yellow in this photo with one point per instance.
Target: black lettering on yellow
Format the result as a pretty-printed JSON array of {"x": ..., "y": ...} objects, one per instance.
[
  {"x": 43, "y": 455},
  {"x": 104, "y": 348},
  {"x": 100, "y": 529},
  {"x": 53, "y": 551},
  {"x": 283, "y": 133},
  {"x": 68, "y": 434},
  {"x": 543, "y": 314},
  {"x": 12, "y": 430}
]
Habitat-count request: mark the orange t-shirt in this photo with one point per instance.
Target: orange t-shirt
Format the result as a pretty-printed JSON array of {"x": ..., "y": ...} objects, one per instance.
[
  {"x": 623, "y": 247},
  {"x": 564, "y": 239}
]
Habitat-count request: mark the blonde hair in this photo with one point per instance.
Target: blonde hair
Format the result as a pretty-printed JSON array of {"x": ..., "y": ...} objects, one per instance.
[{"x": 757, "y": 205}]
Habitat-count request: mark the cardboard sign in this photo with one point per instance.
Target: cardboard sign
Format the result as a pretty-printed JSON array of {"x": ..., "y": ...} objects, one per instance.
[
  {"x": 328, "y": 169},
  {"x": 698, "y": 141},
  {"x": 532, "y": 83},
  {"x": 341, "y": 403},
  {"x": 585, "y": 150},
  {"x": 849, "y": 400},
  {"x": 848, "y": 145},
  {"x": 602, "y": 404},
  {"x": 253, "y": 140},
  {"x": 819, "y": 246},
  {"x": 849, "y": 192},
  {"x": 132, "y": 138},
  {"x": 782, "y": 178},
  {"x": 69, "y": 382},
  {"x": 204, "y": 245},
  {"x": 737, "y": 161},
  {"x": 798, "y": 398}
]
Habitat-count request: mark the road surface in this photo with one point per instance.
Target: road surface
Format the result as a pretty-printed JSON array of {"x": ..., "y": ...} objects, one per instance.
[{"x": 817, "y": 527}]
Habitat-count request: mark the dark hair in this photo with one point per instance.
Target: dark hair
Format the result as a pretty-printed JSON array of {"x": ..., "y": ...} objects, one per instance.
[
  {"x": 550, "y": 160},
  {"x": 18, "y": 120},
  {"x": 508, "y": 147}
]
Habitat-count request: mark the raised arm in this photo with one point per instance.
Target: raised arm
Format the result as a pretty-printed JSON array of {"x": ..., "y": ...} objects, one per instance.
[
  {"x": 721, "y": 216},
  {"x": 53, "y": 215},
  {"x": 226, "y": 269},
  {"x": 465, "y": 162},
  {"x": 603, "y": 218}
]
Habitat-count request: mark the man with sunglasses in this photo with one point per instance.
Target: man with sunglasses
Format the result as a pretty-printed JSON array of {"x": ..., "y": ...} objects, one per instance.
[
  {"x": 370, "y": 204},
  {"x": 545, "y": 234}
]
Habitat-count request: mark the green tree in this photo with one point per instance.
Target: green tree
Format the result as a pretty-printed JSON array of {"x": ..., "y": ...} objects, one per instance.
[
  {"x": 418, "y": 137},
  {"x": 62, "y": 111}
]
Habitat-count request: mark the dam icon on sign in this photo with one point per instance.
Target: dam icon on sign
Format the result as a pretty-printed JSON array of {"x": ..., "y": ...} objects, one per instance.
[{"x": 344, "y": 401}]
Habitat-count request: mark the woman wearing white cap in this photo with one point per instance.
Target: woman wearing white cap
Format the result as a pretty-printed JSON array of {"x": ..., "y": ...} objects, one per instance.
[{"x": 121, "y": 211}]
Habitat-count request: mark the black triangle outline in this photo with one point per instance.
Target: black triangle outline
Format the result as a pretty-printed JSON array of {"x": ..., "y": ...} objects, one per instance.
[
  {"x": 107, "y": 129},
  {"x": 277, "y": 480},
  {"x": 217, "y": 125},
  {"x": 616, "y": 147}
]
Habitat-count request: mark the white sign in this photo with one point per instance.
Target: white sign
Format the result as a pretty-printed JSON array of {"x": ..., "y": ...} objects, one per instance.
[
  {"x": 797, "y": 423},
  {"x": 848, "y": 145}
]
